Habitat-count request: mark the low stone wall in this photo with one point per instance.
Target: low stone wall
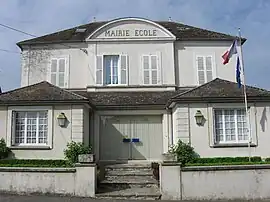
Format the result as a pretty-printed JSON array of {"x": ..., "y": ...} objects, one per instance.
[
  {"x": 246, "y": 182},
  {"x": 78, "y": 181}
]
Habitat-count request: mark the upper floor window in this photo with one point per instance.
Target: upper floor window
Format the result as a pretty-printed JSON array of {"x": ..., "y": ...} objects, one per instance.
[
  {"x": 204, "y": 65},
  {"x": 59, "y": 72},
  {"x": 150, "y": 70},
  {"x": 111, "y": 69}
]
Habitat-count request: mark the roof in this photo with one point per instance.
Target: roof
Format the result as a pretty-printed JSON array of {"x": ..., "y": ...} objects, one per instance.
[
  {"x": 127, "y": 99},
  {"x": 181, "y": 32},
  {"x": 40, "y": 92},
  {"x": 221, "y": 90},
  {"x": 217, "y": 90}
]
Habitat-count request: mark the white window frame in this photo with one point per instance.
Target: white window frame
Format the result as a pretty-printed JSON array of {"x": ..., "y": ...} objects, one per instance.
[
  {"x": 236, "y": 141},
  {"x": 205, "y": 71},
  {"x": 119, "y": 70},
  {"x": 11, "y": 126},
  {"x": 111, "y": 69},
  {"x": 150, "y": 69},
  {"x": 67, "y": 69}
]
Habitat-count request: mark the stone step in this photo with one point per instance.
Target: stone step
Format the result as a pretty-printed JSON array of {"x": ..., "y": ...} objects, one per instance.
[
  {"x": 130, "y": 178},
  {"x": 128, "y": 167},
  {"x": 134, "y": 172},
  {"x": 126, "y": 184},
  {"x": 151, "y": 193},
  {"x": 130, "y": 181}
]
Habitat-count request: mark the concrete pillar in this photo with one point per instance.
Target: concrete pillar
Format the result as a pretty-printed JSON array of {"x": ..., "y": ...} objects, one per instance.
[
  {"x": 86, "y": 180},
  {"x": 170, "y": 181}
]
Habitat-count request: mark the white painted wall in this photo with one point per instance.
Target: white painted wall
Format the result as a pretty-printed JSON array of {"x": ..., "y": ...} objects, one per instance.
[
  {"x": 201, "y": 137},
  {"x": 243, "y": 182},
  {"x": 58, "y": 137},
  {"x": 177, "y": 58},
  {"x": 135, "y": 50},
  {"x": 36, "y": 64},
  {"x": 185, "y": 61},
  {"x": 80, "y": 181}
]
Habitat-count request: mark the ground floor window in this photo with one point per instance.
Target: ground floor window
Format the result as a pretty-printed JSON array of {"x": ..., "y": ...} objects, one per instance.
[
  {"x": 30, "y": 127},
  {"x": 230, "y": 126}
]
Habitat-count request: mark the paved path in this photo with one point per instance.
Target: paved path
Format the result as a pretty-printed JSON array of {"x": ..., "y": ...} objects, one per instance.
[{"x": 16, "y": 198}]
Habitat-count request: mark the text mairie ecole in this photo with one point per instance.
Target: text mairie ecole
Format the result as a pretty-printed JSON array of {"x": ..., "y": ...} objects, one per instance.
[{"x": 126, "y": 33}]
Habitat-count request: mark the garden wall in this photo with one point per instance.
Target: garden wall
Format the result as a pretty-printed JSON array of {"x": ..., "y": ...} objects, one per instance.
[
  {"x": 78, "y": 181},
  {"x": 247, "y": 182}
]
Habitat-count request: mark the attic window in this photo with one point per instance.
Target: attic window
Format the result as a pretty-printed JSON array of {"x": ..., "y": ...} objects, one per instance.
[
  {"x": 80, "y": 30},
  {"x": 183, "y": 28}
]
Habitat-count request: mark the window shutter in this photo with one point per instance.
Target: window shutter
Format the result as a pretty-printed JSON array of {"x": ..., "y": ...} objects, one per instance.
[
  {"x": 146, "y": 69},
  {"x": 13, "y": 127},
  {"x": 99, "y": 68},
  {"x": 159, "y": 67},
  {"x": 154, "y": 69},
  {"x": 124, "y": 69},
  {"x": 62, "y": 72},
  {"x": 209, "y": 68},
  {"x": 53, "y": 71},
  {"x": 200, "y": 68}
]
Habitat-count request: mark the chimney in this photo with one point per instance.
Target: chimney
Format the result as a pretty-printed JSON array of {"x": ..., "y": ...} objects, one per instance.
[
  {"x": 94, "y": 19},
  {"x": 170, "y": 19},
  {"x": 0, "y": 90}
]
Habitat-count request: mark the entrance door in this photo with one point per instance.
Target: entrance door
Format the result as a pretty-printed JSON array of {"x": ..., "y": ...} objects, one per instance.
[
  {"x": 148, "y": 130},
  {"x": 113, "y": 131},
  {"x": 131, "y": 138}
]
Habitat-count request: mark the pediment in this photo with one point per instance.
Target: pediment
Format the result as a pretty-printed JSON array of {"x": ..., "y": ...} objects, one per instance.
[{"x": 131, "y": 29}]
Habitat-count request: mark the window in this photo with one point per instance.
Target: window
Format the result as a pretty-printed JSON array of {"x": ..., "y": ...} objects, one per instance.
[
  {"x": 231, "y": 126},
  {"x": 30, "y": 127},
  {"x": 59, "y": 72},
  {"x": 204, "y": 69},
  {"x": 150, "y": 69},
  {"x": 111, "y": 69}
]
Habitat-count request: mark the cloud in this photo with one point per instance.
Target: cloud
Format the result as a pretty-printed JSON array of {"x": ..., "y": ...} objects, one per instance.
[{"x": 43, "y": 17}]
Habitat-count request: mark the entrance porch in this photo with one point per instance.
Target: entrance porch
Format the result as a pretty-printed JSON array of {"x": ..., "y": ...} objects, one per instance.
[{"x": 131, "y": 136}]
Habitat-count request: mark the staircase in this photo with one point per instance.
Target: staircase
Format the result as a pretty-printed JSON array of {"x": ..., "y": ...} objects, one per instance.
[{"x": 128, "y": 181}]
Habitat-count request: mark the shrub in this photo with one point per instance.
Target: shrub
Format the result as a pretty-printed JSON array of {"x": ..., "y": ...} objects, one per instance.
[
  {"x": 4, "y": 150},
  {"x": 267, "y": 159},
  {"x": 74, "y": 149},
  {"x": 184, "y": 152}
]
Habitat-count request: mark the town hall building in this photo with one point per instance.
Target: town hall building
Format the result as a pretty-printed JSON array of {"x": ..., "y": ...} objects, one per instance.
[{"x": 131, "y": 88}]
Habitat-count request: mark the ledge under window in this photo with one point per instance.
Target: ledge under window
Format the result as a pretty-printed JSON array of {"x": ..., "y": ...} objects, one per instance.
[
  {"x": 225, "y": 145},
  {"x": 30, "y": 147}
]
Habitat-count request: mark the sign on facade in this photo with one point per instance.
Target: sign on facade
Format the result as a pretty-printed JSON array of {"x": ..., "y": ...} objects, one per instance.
[{"x": 131, "y": 33}]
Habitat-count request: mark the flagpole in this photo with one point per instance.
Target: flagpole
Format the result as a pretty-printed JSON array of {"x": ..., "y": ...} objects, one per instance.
[{"x": 245, "y": 95}]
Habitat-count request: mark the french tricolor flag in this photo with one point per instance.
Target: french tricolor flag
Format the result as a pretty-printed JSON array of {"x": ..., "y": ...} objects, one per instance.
[{"x": 230, "y": 52}]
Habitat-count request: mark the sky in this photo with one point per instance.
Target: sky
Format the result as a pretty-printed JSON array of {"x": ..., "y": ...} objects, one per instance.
[{"x": 40, "y": 17}]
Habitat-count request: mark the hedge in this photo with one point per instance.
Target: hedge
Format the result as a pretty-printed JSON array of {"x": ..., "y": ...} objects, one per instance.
[
  {"x": 226, "y": 163},
  {"x": 34, "y": 163},
  {"x": 218, "y": 160}
]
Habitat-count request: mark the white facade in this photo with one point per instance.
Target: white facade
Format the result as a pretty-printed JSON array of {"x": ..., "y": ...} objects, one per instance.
[
  {"x": 176, "y": 60},
  {"x": 130, "y": 54}
]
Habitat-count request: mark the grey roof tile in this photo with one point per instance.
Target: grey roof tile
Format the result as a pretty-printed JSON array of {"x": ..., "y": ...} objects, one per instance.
[
  {"x": 122, "y": 99},
  {"x": 181, "y": 31},
  {"x": 40, "y": 92},
  {"x": 219, "y": 89}
]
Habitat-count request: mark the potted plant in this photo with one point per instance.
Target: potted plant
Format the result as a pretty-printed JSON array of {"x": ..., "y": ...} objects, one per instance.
[
  {"x": 77, "y": 152},
  {"x": 169, "y": 157}
]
